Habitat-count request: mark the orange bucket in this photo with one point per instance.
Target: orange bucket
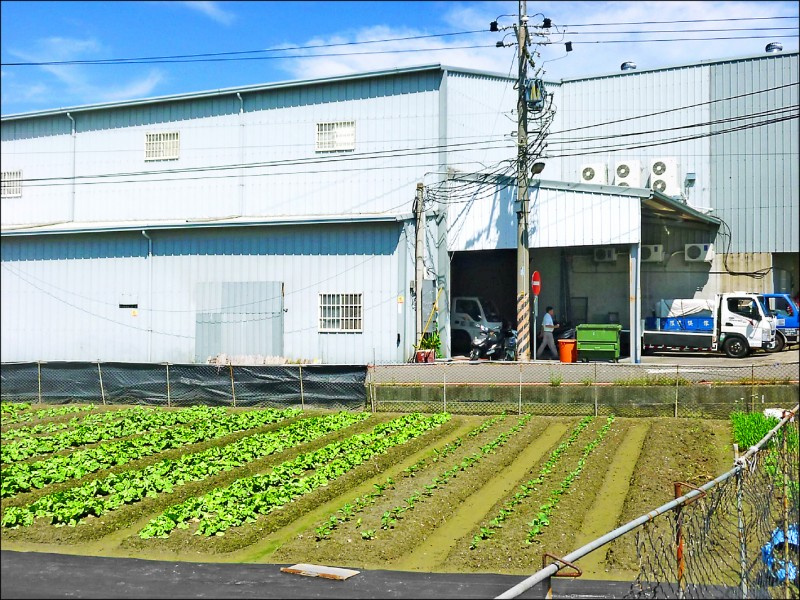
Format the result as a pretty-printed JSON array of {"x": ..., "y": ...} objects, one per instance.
[{"x": 568, "y": 351}]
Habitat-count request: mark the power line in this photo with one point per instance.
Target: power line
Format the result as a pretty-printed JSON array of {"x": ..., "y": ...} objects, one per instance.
[
  {"x": 416, "y": 151},
  {"x": 646, "y": 31},
  {"x": 204, "y": 60},
  {"x": 239, "y": 52},
  {"x": 679, "y": 21},
  {"x": 699, "y": 39}
]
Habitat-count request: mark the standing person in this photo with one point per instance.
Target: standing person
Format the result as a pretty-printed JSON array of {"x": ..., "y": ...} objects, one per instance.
[{"x": 547, "y": 333}]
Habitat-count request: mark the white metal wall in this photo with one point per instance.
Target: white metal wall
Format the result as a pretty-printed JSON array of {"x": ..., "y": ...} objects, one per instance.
[
  {"x": 61, "y": 294},
  {"x": 270, "y": 132}
]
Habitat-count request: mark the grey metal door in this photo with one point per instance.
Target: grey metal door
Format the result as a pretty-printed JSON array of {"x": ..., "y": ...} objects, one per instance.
[{"x": 238, "y": 318}]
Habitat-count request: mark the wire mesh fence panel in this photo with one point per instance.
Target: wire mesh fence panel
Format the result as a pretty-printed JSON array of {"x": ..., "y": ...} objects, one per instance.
[
  {"x": 132, "y": 383},
  {"x": 64, "y": 382},
  {"x": 201, "y": 384},
  {"x": 273, "y": 386},
  {"x": 334, "y": 387},
  {"x": 19, "y": 382},
  {"x": 737, "y": 540}
]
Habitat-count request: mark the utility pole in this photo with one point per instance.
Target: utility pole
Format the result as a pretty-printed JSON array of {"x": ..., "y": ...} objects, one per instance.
[
  {"x": 523, "y": 261},
  {"x": 419, "y": 258}
]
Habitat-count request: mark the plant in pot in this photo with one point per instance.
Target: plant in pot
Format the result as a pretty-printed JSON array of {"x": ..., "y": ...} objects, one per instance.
[{"x": 429, "y": 346}]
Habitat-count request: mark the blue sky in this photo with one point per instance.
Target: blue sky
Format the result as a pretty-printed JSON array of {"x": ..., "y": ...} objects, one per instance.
[{"x": 63, "y": 31}]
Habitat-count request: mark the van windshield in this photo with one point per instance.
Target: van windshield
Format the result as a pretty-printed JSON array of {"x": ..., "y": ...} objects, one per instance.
[{"x": 490, "y": 311}]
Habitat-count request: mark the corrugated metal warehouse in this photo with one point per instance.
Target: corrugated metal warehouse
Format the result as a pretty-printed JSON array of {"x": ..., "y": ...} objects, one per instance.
[{"x": 277, "y": 219}]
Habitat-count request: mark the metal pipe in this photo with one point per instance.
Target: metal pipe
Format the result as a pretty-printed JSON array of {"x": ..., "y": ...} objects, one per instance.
[
  {"x": 74, "y": 137},
  {"x": 241, "y": 154},
  {"x": 552, "y": 569},
  {"x": 150, "y": 294}
]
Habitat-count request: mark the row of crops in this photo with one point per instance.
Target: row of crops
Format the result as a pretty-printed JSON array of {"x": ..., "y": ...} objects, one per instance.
[{"x": 68, "y": 465}]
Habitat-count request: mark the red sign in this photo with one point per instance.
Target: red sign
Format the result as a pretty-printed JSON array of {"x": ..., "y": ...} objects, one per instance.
[{"x": 536, "y": 283}]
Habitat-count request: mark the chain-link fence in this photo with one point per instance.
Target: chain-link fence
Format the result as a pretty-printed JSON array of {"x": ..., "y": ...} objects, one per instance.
[
  {"x": 281, "y": 386},
  {"x": 548, "y": 388},
  {"x": 734, "y": 537},
  {"x": 575, "y": 389}
]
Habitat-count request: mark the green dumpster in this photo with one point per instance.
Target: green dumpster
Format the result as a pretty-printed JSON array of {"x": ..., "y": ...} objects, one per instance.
[{"x": 598, "y": 341}]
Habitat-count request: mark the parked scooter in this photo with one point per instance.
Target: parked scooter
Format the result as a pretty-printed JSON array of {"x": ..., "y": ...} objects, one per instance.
[{"x": 494, "y": 344}]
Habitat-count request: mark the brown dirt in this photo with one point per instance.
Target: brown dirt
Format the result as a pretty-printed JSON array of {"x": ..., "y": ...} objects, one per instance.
[{"x": 628, "y": 474}]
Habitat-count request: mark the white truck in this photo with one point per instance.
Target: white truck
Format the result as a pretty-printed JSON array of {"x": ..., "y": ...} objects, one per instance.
[{"x": 735, "y": 323}]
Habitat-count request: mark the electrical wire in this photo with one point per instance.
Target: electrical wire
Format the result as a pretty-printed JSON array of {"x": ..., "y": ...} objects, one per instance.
[
  {"x": 238, "y": 52},
  {"x": 408, "y": 151},
  {"x": 250, "y": 58},
  {"x": 795, "y": 17}
]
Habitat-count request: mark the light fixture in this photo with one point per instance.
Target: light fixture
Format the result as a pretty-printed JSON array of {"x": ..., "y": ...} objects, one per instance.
[
  {"x": 628, "y": 65},
  {"x": 689, "y": 180},
  {"x": 537, "y": 167},
  {"x": 569, "y": 46},
  {"x": 774, "y": 47}
]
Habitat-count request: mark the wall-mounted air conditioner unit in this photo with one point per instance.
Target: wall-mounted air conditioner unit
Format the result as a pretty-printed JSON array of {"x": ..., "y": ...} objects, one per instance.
[
  {"x": 698, "y": 252},
  {"x": 664, "y": 176},
  {"x": 652, "y": 253},
  {"x": 628, "y": 173},
  {"x": 594, "y": 173},
  {"x": 605, "y": 255}
]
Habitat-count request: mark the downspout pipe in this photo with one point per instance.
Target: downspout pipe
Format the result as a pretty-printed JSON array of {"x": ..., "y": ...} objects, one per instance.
[
  {"x": 74, "y": 137},
  {"x": 241, "y": 154},
  {"x": 150, "y": 293}
]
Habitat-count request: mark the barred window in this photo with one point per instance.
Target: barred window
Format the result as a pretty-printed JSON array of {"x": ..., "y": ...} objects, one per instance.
[
  {"x": 340, "y": 312},
  {"x": 336, "y": 136},
  {"x": 164, "y": 145},
  {"x": 11, "y": 184}
]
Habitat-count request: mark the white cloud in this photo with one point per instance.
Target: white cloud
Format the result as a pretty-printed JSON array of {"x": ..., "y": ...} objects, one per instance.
[
  {"x": 74, "y": 84},
  {"x": 213, "y": 10},
  {"x": 588, "y": 56}
]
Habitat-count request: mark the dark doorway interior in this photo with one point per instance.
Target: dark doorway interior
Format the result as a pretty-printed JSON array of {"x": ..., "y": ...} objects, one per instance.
[{"x": 489, "y": 274}]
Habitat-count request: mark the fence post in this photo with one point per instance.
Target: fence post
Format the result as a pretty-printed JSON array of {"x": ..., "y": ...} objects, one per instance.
[
  {"x": 784, "y": 461},
  {"x": 371, "y": 379},
  {"x": 444, "y": 388},
  {"x": 595, "y": 389},
  {"x": 740, "y": 526},
  {"x": 102, "y": 391},
  {"x": 679, "y": 541},
  {"x": 169, "y": 399},
  {"x": 520, "y": 389},
  {"x": 677, "y": 375},
  {"x": 302, "y": 397},
  {"x": 233, "y": 387},
  {"x": 39, "y": 370},
  {"x": 752, "y": 387}
]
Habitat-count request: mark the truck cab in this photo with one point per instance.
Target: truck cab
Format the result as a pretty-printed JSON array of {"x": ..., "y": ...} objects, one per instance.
[
  {"x": 786, "y": 320},
  {"x": 742, "y": 323},
  {"x": 467, "y": 315}
]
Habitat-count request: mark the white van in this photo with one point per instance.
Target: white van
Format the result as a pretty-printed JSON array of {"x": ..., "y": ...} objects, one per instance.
[{"x": 467, "y": 315}]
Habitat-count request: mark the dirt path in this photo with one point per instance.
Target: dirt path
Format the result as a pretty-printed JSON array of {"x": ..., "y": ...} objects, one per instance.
[
  {"x": 604, "y": 514},
  {"x": 432, "y": 553}
]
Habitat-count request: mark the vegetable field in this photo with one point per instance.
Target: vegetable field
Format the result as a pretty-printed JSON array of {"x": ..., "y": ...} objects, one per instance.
[{"x": 431, "y": 492}]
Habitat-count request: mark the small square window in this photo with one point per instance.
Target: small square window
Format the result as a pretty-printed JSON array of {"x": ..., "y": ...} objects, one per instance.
[
  {"x": 333, "y": 137},
  {"x": 164, "y": 145},
  {"x": 12, "y": 184},
  {"x": 340, "y": 312}
]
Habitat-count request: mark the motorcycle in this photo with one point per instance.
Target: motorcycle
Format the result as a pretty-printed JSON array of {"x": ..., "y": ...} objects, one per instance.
[{"x": 494, "y": 344}]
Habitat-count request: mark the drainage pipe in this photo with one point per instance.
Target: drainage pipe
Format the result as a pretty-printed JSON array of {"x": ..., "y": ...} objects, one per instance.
[
  {"x": 150, "y": 293},
  {"x": 241, "y": 154},
  {"x": 74, "y": 134}
]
